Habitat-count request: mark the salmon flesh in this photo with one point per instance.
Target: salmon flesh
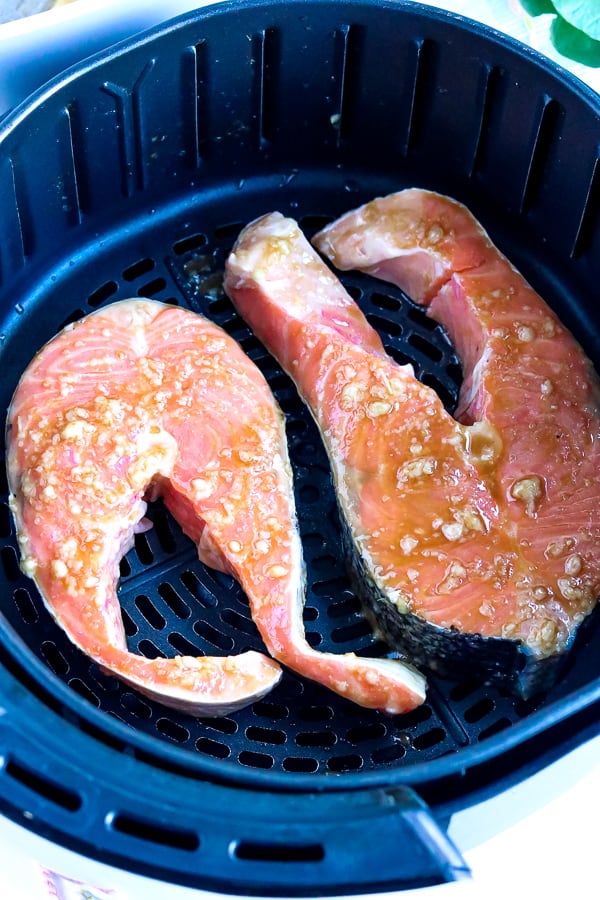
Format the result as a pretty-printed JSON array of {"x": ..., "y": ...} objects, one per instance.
[
  {"x": 140, "y": 400},
  {"x": 474, "y": 541}
]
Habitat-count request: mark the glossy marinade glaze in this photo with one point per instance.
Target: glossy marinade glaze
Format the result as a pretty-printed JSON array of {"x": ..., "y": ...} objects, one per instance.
[
  {"x": 141, "y": 399},
  {"x": 475, "y": 540}
]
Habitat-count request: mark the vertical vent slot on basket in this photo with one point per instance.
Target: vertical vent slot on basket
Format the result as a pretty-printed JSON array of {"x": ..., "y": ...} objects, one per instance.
[
  {"x": 544, "y": 135},
  {"x": 129, "y": 112},
  {"x": 489, "y": 99},
  {"x": 70, "y": 163},
  {"x": 14, "y": 243},
  {"x": 348, "y": 50},
  {"x": 422, "y": 58},
  {"x": 589, "y": 214},
  {"x": 195, "y": 73},
  {"x": 265, "y": 55}
]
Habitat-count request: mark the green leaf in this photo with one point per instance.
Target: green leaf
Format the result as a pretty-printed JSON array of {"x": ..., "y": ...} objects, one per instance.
[
  {"x": 581, "y": 14},
  {"x": 574, "y": 44},
  {"x": 538, "y": 7}
]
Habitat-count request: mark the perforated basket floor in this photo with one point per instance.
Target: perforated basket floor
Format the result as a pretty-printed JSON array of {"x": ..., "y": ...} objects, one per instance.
[{"x": 173, "y": 604}]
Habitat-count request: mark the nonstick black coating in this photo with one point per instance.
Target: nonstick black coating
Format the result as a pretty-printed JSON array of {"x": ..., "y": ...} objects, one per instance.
[{"x": 133, "y": 175}]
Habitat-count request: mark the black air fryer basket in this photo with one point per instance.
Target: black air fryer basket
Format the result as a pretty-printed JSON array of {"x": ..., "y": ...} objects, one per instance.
[{"x": 131, "y": 175}]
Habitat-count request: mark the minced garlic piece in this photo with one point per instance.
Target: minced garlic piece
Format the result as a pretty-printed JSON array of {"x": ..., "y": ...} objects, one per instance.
[
  {"x": 529, "y": 490},
  {"x": 378, "y": 408},
  {"x": 452, "y": 531},
  {"x": 277, "y": 571},
  {"x": 408, "y": 543},
  {"x": 425, "y": 465},
  {"x": 58, "y": 568},
  {"x": 573, "y": 564}
]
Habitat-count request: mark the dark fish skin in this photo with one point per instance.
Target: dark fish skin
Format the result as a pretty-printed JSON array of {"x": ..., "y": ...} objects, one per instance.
[{"x": 448, "y": 652}]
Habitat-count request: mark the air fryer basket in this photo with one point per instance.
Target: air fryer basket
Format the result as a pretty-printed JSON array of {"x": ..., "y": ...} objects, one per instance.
[{"x": 131, "y": 175}]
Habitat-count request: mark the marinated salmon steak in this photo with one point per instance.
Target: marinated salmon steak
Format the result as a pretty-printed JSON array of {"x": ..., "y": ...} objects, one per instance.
[
  {"x": 138, "y": 400},
  {"x": 474, "y": 543}
]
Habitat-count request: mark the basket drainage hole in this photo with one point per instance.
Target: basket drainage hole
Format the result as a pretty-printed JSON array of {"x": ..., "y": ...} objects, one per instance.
[
  {"x": 479, "y": 710},
  {"x": 157, "y": 834},
  {"x": 386, "y": 326},
  {"x": 426, "y": 347},
  {"x": 429, "y": 739},
  {"x": 384, "y": 301},
  {"x": 10, "y": 562},
  {"x": 152, "y": 287},
  {"x": 81, "y": 688},
  {"x": 254, "y": 851},
  {"x": 103, "y": 293},
  {"x": 149, "y": 612},
  {"x": 193, "y": 242},
  {"x": 26, "y": 606},
  {"x": 173, "y": 730},
  {"x": 5, "y": 521},
  {"x": 256, "y": 760},
  {"x": 349, "y": 763},
  {"x": 138, "y": 269},
  {"x": 54, "y": 658},
  {"x": 300, "y": 764},
  {"x": 213, "y": 748}
]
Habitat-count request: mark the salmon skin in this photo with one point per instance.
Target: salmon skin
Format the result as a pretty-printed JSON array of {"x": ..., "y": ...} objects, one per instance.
[
  {"x": 475, "y": 543},
  {"x": 138, "y": 400}
]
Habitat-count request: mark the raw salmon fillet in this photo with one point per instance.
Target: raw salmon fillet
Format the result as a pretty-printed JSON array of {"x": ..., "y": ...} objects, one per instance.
[
  {"x": 475, "y": 543},
  {"x": 141, "y": 399}
]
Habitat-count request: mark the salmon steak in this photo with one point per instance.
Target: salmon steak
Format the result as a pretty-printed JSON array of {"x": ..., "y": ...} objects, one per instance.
[
  {"x": 474, "y": 540},
  {"x": 139, "y": 400}
]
